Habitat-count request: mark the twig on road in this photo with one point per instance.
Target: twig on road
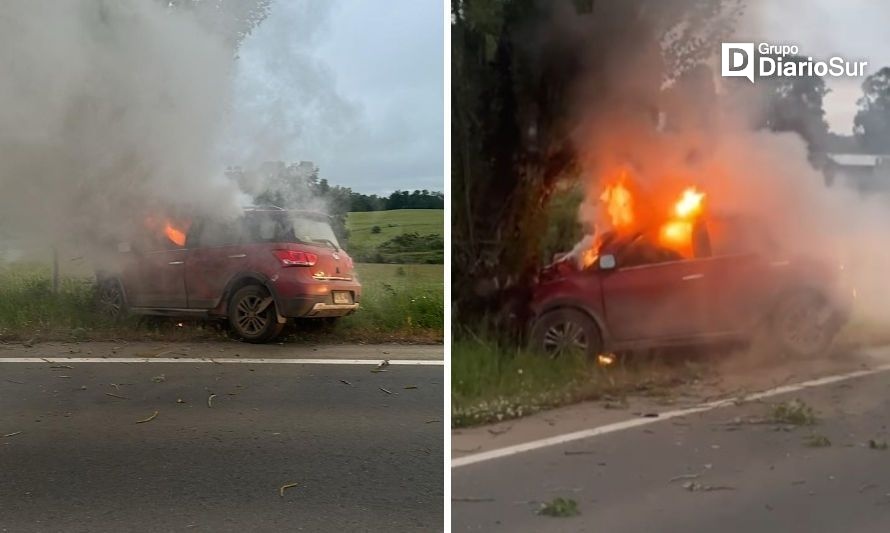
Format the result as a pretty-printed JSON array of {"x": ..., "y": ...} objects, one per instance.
[
  {"x": 285, "y": 487},
  {"x": 13, "y": 434},
  {"x": 149, "y": 419}
]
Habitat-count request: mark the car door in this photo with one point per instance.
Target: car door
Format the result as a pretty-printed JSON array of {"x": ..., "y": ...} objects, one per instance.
[
  {"x": 742, "y": 276},
  {"x": 655, "y": 301},
  {"x": 217, "y": 253}
]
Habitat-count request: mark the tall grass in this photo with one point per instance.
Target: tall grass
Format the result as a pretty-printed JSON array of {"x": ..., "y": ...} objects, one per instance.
[
  {"x": 28, "y": 303},
  {"x": 399, "y": 303}
]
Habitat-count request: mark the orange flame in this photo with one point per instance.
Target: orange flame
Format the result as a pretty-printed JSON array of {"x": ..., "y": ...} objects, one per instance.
[
  {"x": 676, "y": 233},
  {"x": 175, "y": 235},
  {"x": 619, "y": 204}
]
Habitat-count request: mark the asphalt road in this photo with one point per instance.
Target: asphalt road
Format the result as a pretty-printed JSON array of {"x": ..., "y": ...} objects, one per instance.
[
  {"x": 73, "y": 456},
  {"x": 725, "y": 469}
]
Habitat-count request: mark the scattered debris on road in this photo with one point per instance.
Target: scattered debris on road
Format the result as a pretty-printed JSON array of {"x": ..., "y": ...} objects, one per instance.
[
  {"x": 409, "y": 387},
  {"x": 180, "y": 400},
  {"x": 693, "y": 486},
  {"x": 381, "y": 367},
  {"x": 159, "y": 379},
  {"x": 13, "y": 434},
  {"x": 384, "y": 390},
  {"x": 559, "y": 507},
  {"x": 345, "y": 382},
  {"x": 877, "y": 444},
  {"x": 684, "y": 477},
  {"x": 578, "y": 452},
  {"x": 285, "y": 487},
  {"x": 116, "y": 396},
  {"x": 472, "y": 500},
  {"x": 816, "y": 441},
  {"x": 433, "y": 421},
  {"x": 149, "y": 419},
  {"x": 210, "y": 400},
  {"x": 794, "y": 412}
]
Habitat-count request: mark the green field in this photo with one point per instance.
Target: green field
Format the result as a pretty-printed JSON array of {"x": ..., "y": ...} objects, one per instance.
[{"x": 364, "y": 243}]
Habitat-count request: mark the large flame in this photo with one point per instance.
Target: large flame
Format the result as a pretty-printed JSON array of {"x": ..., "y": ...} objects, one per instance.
[{"x": 674, "y": 231}]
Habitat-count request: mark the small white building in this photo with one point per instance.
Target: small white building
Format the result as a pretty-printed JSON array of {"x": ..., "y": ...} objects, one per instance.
[{"x": 864, "y": 172}]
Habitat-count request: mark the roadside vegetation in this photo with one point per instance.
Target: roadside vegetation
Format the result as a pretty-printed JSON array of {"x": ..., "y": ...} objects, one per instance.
[
  {"x": 492, "y": 382},
  {"x": 400, "y": 303}
]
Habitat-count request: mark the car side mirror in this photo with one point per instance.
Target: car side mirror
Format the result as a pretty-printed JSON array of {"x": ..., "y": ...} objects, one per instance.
[{"x": 607, "y": 262}]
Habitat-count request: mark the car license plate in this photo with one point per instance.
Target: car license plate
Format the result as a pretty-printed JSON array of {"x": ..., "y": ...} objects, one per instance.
[{"x": 342, "y": 297}]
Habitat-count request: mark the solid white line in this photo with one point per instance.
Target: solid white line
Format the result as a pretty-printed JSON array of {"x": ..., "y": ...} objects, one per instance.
[
  {"x": 636, "y": 422},
  {"x": 220, "y": 360}
]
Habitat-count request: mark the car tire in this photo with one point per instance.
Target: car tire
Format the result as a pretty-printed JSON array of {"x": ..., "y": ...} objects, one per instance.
[
  {"x": 563, "y": 332},
  {"x": 802, "y": 325},
  {"x": 111, "y": 302},
  {"x": 252, "y": 315}
]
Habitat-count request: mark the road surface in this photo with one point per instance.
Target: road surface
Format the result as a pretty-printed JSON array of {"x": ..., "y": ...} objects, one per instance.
[
  {"x": 218, "y": 440},
  {"x": 725, "y": 468}
]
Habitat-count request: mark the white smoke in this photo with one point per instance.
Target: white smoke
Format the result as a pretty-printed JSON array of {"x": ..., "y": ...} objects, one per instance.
[{"x": 109, "y": 111}]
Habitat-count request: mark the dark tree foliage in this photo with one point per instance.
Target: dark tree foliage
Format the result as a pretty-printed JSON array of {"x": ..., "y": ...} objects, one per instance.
[
  {"x": 872, "y": 121},
  {"x": 796, "y": 104}
]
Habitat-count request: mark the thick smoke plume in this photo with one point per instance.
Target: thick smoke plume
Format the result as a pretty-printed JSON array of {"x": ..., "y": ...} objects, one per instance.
[
  {"x": 110, "y": 112},
  {"x": 686, "y": 127}
]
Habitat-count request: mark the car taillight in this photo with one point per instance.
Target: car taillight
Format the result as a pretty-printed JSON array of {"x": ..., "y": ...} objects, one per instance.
[{"x": 295, "y": 258}]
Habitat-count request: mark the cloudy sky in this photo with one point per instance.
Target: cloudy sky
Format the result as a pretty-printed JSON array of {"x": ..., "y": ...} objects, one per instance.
[
  {"x": 354, "y": 86},
  {"x": 853, "y": 29}
]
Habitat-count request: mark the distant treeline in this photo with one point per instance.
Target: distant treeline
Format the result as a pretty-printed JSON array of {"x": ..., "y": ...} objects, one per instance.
[{"x": 398, "y": 200}]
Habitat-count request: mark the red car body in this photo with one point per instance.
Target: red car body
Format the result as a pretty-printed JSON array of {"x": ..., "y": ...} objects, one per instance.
[
  {"x": 736, "y": 283},
  {"x": 291, "y": 258}
]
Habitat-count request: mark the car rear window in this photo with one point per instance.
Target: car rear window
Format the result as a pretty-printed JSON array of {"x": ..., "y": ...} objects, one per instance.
[
  {"x": 289, "y": 227},
  {"x": 264, "y": 227}
]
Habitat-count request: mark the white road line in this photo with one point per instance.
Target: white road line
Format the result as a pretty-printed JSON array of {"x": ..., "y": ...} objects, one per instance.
[
  {"x": 220, "y": 360},
  {"x": 636, "y": 422}
]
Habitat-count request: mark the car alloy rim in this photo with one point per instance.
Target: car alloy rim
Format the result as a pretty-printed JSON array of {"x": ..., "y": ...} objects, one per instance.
[
  {"x": 110, "y": 299},
  {"x": 565, "y": 337},
  {"x": 249, "y": 315}
]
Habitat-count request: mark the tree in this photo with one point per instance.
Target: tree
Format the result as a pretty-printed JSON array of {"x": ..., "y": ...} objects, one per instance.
[
  {"x": 796, "y": 104},
  {"x": 871, "y": 126}
]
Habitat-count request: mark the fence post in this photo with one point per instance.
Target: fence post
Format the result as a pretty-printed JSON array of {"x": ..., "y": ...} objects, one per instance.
[{"x": 55, "y": 270}]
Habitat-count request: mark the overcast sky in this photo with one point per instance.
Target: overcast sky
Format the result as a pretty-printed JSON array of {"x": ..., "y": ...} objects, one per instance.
[
  {"x": 856, "y": 30},
  {"x": 352, "y": 85}
]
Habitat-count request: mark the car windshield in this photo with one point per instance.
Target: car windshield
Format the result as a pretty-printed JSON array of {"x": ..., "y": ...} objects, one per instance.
[{"x": 292, "y": 226}]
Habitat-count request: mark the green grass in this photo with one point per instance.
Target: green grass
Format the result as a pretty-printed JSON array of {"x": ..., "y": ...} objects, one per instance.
[
  {"x": 490, "y": 383},
  {"x": 363, "y": 242},
  {"x": 399, "y": 303}
]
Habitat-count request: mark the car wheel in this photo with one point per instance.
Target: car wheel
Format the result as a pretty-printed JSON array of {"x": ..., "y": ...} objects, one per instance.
[
  {"x": 802, "y": 325},
  {"x": 252, "y": 315},
  {"x": 110, "y": 300},
  {"x": 566, "y": 332}
]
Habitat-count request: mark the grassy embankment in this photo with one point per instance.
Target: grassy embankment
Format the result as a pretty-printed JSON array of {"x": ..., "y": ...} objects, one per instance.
[{"x": 371, "y": 236}]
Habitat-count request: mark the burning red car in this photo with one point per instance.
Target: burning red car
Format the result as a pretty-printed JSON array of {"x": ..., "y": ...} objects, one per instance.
[
  {"x": 690, "y": 280},
  {"x": 256, "y": 272}
]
